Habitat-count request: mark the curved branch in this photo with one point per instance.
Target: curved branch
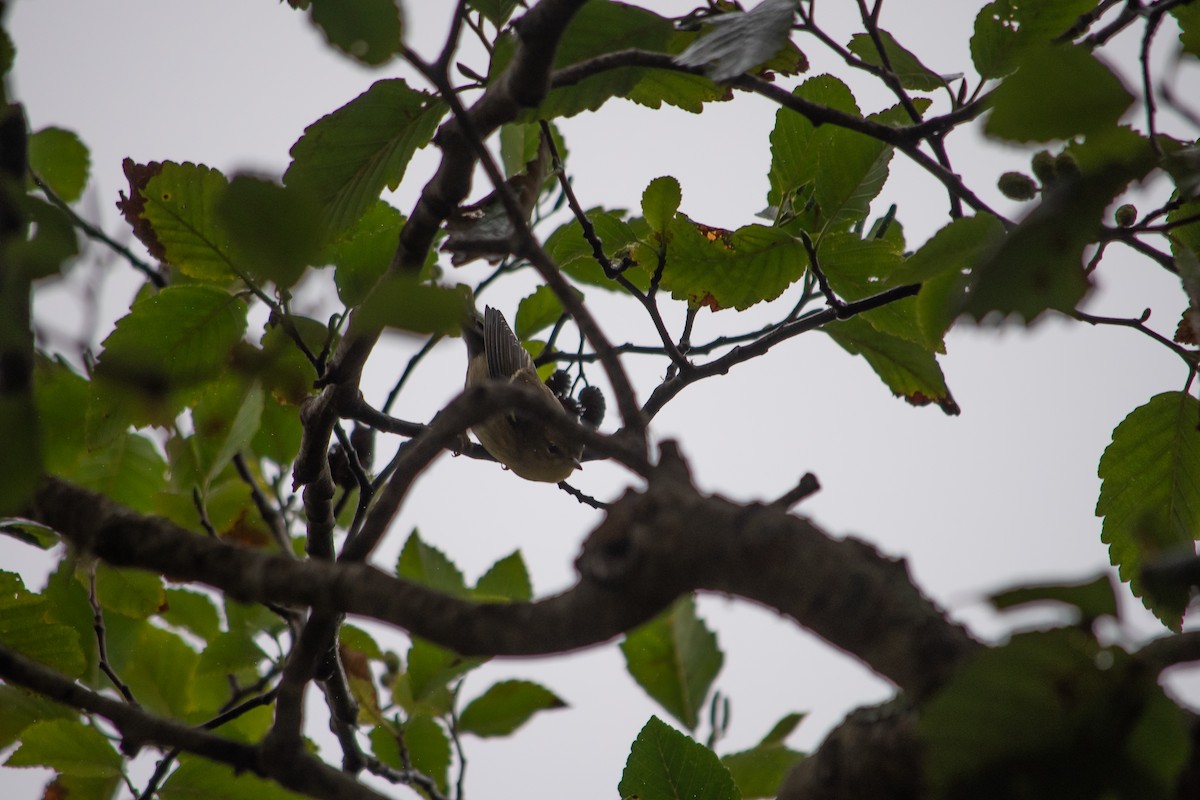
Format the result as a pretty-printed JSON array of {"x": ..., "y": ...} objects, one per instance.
[{"x": 652, "y": 547}]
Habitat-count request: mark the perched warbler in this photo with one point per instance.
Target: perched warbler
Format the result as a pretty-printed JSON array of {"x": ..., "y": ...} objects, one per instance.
[{"x": 518, "y": 439}]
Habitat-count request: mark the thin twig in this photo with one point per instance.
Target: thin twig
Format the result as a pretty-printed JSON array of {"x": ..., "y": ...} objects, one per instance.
[{"x": 101, "y": 639}]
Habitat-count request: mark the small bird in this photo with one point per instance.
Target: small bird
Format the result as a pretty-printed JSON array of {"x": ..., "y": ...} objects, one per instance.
[{"x": 517, "y": 439}]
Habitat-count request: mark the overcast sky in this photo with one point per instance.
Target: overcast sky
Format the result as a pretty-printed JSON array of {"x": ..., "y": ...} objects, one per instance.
[{"x": 1003, "y": 494}]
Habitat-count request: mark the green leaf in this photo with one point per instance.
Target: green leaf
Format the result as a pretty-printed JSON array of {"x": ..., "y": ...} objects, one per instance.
[
  {"x": 660, "y": 201},
  {"x": 1006, "y": 29},
  {"x": 127, "y": 470},
  {"x": 274, "y": 229},
  {"x": 508, "y": 578},
  {"x": 347, "y": 158},
  {"x": 519, "y": 142},
  {"x": 159, "y": 669},
  {"x": 430, "y": 669},
  {"x": 598, "y": 27},
  {"x": 675, "y": 658},
  {"x": 759, "y": 772},
  {"x": 229, "y": 653},
  {"x": 859, "y": 268},
  {"x": 428, "y": 748},
  {"x": 25, "y": 628},
  {"x": 664, "y": 764},
  {"x": 30, "y": 533},
  {"x": 181, "y": 207},
  {"x": 369, "y": 31},
  {"x": 908, "y": 369},
  {"x": 360, "y": 640},
  {"x": 496, "y": 11},
  {"x": 782, "y": 729},
  {"x": 192, "y": 611},
  {"x": 226, "y": 417},
  {"x": 913, "y": 75},
  {"x": 1092, "y": 599},
  {"x": 1057, "y": 93},
  {"x": 20, "y": 708},
  {"x": 134, "y": 593},
  {"x": 69, "y": 747},
  {"x": 619, "y": 237},
  {"x": 794, "y": 155},
  {"x": 404, "y": 302},
  {"x": 680, "y": 89},
  {"x": 1149, "y": 496},
  {"x": 60, "y": 159},
  {"x": 50, "y": 244},
  {"x": 506, "y": 706},
  {"x": 1050, "y": 710},
  {"x": 1188, "y": 17},
  {"x": 938, "y": 266},
  {"x": 361, "y": 253},
  {"x": 177, "y": 338},
  {"x": 59, "y": 394},
  {"x": 200, "y": 779},
  {"x": 424, "y": 564},
  {"x": 721, "y": 270},
  {"x": 536, "y": 312}
]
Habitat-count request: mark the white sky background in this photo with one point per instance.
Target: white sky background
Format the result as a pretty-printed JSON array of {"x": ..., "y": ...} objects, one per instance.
[{"x": 1003, "y": 494}]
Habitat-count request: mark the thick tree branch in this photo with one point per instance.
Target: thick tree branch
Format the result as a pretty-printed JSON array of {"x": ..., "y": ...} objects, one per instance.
[{"x": 651, "y": 548}]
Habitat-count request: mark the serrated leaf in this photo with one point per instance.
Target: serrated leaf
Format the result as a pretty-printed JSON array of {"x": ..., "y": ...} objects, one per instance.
[
  {"x": 496, "y": 11},
  {"x": 1150, "y": 494},
  {"x": 1092, "y": 599},
  {"x": 1051, "y": 713},
  {"x": 134, "y": 593},
  {"x": 753, "y": 264},
  {"x": 193, "y": 611},
  {"x": 22, "y": 708},
  {"x": 428, "y": 748},
  {"x": 739, "y": 41},
  {"x": 909, "y": 370},
  {"x": 181, "y": 336},
  {"x": 402, "y": 301},
  {"x": 794, "y": 156},
  {"x": 127, "y": 470},
  {"x": 859, "y": 268},
  {"x": 200, "y": 779},
  {"x": 430, "y": 669},
  {"x": 347, "y": 158},
  {"x": 274, "y": 229},
  {"x": 26, "y": 628},
  {"x": 1188, "y": 17},
  {"x": 159, "y": 669},
  {"x": 664, "y": 764},
  {"x": 508, "y": 578},
  {"x": 660, "y": 201},
  {"x": 536, "y": 312},
  {"x": 598, "y": 27},
  {"x": 369, "y": 31},
  {"x": 911, "y": 73},
  {"x": 1057, "y": 93},
  {"x": 619, "y": 237},
  {"x": 1006, "y": 29},
  {"x": 759, "y": 772},
  {"x": 181, "y": 208},
  {"x": 361, "y": 253},
  {"x": 60, "y": 159},
  {"x": 423, "y": 563},
  {"x": 675, "y": 659},
  {"x": 506, "y": 706},
  {"x": 69, "y": 747}
]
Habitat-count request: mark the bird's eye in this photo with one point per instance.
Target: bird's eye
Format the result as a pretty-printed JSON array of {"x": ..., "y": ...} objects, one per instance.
[{"x": 554, "y": 449}]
